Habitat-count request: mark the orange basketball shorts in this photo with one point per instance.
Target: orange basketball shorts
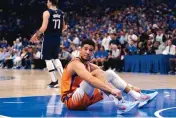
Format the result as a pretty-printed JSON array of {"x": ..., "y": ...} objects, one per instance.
[{"x": 85, "y": 102}]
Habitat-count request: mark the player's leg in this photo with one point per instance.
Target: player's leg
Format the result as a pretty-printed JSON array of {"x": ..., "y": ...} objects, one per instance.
[
  {"x": 56, "y": 60},
  {"x": 119, "y": 83},
  {"x": 46, "y": 54},
  {"x": 81, "y": 97},
  {"x": 122, "y": 105},
  {"x": 51, "y": 70},
  {"x": 58, "y": 66}
]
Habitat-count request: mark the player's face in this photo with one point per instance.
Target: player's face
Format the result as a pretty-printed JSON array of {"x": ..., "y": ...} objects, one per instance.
[
  {"x": 86, "y": 52},
  {"x": 48, "y": 3}
]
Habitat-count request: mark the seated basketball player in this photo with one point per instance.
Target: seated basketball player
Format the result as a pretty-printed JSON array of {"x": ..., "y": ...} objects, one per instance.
[{"x": 82, "y": 84}]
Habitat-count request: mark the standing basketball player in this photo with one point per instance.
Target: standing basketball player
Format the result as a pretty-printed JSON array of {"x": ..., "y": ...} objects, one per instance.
[{"x": 52, "y": 27}]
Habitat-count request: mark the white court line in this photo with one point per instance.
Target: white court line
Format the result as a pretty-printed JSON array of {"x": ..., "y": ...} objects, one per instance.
[
  {"x": 1, "y": 116},
  {"x": 157, "y": 113},
  {"x": 106, "y": 101},
  {"x": 13, "y": 102},
  {"x": 52, "y": 106}
]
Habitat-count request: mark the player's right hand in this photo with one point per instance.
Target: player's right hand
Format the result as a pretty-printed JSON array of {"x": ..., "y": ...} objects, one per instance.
[
  {"x": 136, "y": 89},
  {"x": 34, "y": 38},
  {"x": 117, "y": 93}
]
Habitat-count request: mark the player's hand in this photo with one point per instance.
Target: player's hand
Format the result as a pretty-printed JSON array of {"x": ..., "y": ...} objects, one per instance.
[
  {"x": 65, "y": 28},
  {"x": 136, "y": 89},
  {"x": 117, "y": 93},
  {"x": 34, "y": 38}
]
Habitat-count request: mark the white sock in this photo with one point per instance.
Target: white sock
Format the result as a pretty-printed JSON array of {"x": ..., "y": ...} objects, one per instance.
[
  {"x": 51, "y": 70},
  {"x": 59, "y": 67},
  {"x": 53, "y": 76},
  {"x": 134, "y": 94}
]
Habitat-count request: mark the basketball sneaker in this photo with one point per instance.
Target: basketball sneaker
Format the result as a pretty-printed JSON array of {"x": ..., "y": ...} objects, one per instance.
[
  {"x": 145, "y": 98},
  {"x": 53, "y": 85},
  {"x": 152, "y": 95},
  {"x": 124, "y": 106}
]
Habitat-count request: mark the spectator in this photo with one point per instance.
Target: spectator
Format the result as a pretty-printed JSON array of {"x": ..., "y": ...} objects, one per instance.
[
  {"x": 65, "y": 56},
  {"x": 132, "y": 49},
  {"x": 170, "y": 49},
  {"x": 106, "y": 41},
  {"x": 114, "y": 58}
]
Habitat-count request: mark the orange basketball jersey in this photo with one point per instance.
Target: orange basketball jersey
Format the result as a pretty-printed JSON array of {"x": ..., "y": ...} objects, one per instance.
[{"x": 69, "y": 83}]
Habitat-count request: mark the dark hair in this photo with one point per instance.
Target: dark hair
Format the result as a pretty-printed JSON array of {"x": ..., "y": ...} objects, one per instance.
[
  {"x": 54, "y": 2},
  {"x": 89, "y": 42}
]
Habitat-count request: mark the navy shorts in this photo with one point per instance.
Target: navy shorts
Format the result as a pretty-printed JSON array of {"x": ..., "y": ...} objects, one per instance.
[{"x": 50, "y": 48}]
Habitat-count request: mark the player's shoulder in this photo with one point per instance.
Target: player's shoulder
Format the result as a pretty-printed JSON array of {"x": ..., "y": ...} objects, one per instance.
[
  {"x": 74, "y": 63},
  {"x": 60, "y": 11},
  {"x": 46, "y": 12}
]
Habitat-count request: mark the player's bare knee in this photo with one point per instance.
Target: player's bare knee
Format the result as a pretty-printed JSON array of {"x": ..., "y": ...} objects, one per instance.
[
  {"x": 77, "y": 95},
  {"x": 78, "y": 100}
]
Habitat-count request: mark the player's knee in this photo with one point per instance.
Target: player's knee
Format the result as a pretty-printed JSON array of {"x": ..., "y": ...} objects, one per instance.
[
  {"x": 57, "y": 63},
  {"x": 108, "y": 75},
  {"x": 77, "y": 96},
  {"x": 109, "y": 72},
  {"x": 49, "y": 65}
]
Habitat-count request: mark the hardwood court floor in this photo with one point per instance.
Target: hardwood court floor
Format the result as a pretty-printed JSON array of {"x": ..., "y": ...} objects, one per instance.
[{"x": 19, "y": 83}]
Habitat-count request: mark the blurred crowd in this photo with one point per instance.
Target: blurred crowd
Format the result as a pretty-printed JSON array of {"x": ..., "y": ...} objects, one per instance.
[{"x": 128, "y": 30}]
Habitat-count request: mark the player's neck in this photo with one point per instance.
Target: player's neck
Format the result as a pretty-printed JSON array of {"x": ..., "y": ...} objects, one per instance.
[
  {"x": 53, "y": 8},
  {"x": 83, "y": 60}
]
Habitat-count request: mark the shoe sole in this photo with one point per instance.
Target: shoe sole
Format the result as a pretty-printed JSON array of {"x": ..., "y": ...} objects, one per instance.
[
  {"x": 123, "y": 112},
  {"x": 144, "y": 103},
  {"x": 154, "y": 95},
  {"x": 55, "y": 86}
]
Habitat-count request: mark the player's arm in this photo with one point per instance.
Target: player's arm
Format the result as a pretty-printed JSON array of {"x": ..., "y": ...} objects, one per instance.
[
  {"x": 65, "y": 26},
  {"x": 43, "y": 28},
  {"x": 80, "y": 69}
]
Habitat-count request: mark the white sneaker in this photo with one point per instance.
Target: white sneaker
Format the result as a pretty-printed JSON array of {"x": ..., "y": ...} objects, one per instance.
[
  {"x": 124, "y": 106},
  {"x": 145, "y": 98}
]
